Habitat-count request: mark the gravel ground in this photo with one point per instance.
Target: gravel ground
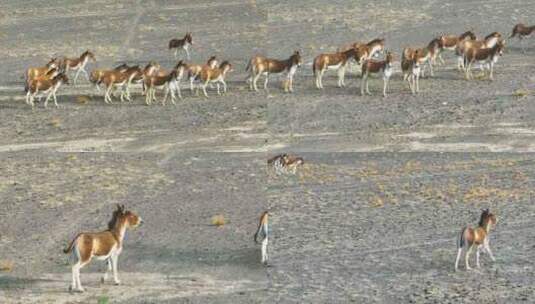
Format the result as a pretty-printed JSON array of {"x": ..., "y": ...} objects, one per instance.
[{"x": 372, "y": 216}]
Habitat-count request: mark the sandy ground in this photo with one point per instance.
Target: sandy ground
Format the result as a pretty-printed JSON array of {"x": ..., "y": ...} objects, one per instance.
[{"x": 373, "y": 215}]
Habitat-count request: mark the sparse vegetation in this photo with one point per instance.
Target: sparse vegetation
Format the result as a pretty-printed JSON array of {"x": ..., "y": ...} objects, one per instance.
[
  {"x": 219, "y": 220},
  {"x": 6, "y": 265},
  {"x": 55, "y": 122}
]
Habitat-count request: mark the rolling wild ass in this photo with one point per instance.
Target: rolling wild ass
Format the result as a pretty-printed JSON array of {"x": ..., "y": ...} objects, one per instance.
[
  {"x": 476, "y": 237},
  {"x": 259, "y": 65},
  {"x": 262, "y": 232},
  {"x": 216, "y": 75},
  {"x": 522, "y": 31},
  {"x": 106, "y": 245},
  {"x": 181, "y": 44},
  {"x": 285, "y": 163},
  {"x": 167, "y": 82},
  {"x": 371, "y": 66},
  {"x": 78, "y": 64},
  {"x": 44, "y": 85}
]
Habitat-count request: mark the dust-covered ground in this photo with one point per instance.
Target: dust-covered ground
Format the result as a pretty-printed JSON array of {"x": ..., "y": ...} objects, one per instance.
[{"x": 372, "y": 217}]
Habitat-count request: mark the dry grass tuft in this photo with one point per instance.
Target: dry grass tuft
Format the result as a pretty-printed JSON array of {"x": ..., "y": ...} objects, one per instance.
[
  {"x": 82, "y": 99},
  {"x": 521, "y": 93},
  {"x": 219, "y": 220},
  {"x": 55, "y": 122},
  {"x": 6, "y": 266},
  {"x": 377, "y": 201}
]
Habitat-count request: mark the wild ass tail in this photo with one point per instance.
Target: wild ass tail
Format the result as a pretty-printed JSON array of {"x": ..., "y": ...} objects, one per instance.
[
  {"x": 248, "y": 67},
  {"x": 462, "y": 240},
  {"x": 71, "y": 245}
]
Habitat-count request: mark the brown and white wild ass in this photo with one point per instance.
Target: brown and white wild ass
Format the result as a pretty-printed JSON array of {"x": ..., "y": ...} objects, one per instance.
[
  {"x": 111, "y": 80},
  {"x": 78, "y": 64},
  {"x": 522, "y": 31},
  {"x": 194, "y": 70},
  {"x": 168, "y": 82},
  {"x": 106, "y": 245},
  {"x": 476, "y": 237},
  {"x": 34, "y": 72},
  {"x": 410, "y": 66},
  {"x": 371, "y": 66},
  {"x": 44, "y": 85},
  {"x": 216, "y": 75},
  {"x": 96, "y": 75},
  {"x": 181, "y": 44},
  {"x": 136, "y": 76},
  {"x": 450, "y": 42},
  {"x": 333, "y": 61},
  {"x": 366, "y": 50},
  {"x": 285, "y": 163},
  {"x": 488, "y": 42},
  {"x": 260, "y": 65},
  {"x": 485, "y": 56}
]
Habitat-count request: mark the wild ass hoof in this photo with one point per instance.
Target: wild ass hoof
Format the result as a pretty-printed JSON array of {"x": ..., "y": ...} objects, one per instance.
[{"x": 117, "y": 283}]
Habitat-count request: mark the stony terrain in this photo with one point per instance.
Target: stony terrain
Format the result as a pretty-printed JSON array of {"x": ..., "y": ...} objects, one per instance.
[{"x": 373, "y": 215}]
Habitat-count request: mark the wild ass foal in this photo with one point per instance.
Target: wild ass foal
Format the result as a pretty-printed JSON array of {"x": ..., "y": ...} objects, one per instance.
[
  {"x": 168, "y": 82},
  {"x": 334, "y": 61},
  {"x": 181, "y": 44},
  {"x": 216, "y": 75},
  {"x": 78, "y": 64},
  {"x": 370, "y": 66},
  {"x": 106, "y": 245},
  {"x": 522, "y": 31},
  {"x": 478, "y": 237},
  {"x": 450, "y": 42},
  {"x": 44, "y": 85},
  {"x": 485, "y": 56},
  {"x": 260, "y": 65},
  {"x": 263, "y": 231}
]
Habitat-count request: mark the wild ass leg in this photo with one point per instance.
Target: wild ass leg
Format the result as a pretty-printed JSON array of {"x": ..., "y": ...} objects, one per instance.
[
  {"x": 291, "y": 82},
  {"x": 486, "y": 245},
  {"x": 385, "y": 85},
  {"x": 204, "y": 88},
  {"x": 187, "y": 53},
  {"x": 218, "y": 91},
  {"x": 491, "y": 76},
  {"x": 114, "y": 259},
  {"x": 108, "y": 268},
  {"x": 459, "y": 252},
  {"x": 467, "y": 256},
  {"x": 478, "y": 252},
  {"x": 341, "y": 75},
  {"x": 77, "y": 74},
  {"x": 363, "y": 81},
  {"x": 430, "y": 68},
  {"x": 264, "y": 251},
  {"x": 266, "y": 81},
  {"x": 48, "y": 98},
  {"x": 255, "y": 79}
]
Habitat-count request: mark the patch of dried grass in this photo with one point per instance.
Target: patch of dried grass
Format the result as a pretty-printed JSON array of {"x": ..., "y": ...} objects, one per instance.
[
  {"x": 219, "y": 220},
  {"x": 6, "y": 265},
  {"x": 55, "y": 122},
  {"x": 82, "y": 99}
]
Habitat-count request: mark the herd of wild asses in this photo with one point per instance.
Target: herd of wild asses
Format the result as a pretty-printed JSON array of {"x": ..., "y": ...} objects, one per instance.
[
  {"x": 107, "y": 245},
  {"x": 46, "y": 80}
]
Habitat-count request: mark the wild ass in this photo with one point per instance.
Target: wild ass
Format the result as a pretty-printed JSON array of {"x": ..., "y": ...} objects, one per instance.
[
  {"x": 450, "y": 42},
  {"x": 285, "y": 163},
  {"x": 136, "y": 76},
  {"x": 181, "y": 44},
  {"x": 96, "y": 75},
  {"x": 34, "y": 72},
  {"x": 334, "y": 61},
  {"x": 476, "y": 237},
  {"x": 262, "y": 232},
  {"x": 366, "y": 50},
  {"x": 370, "y": 66},
  {"x": 216, "y": 75},
  {"x": 259, "y": 65},
  {"x": 488, "y": 42},
  {"x": 194, "y": 70},
  {"x": 44, "y": 85},
  {"x": 78, "y": 64},
  {"x": 111, "y": 80},
  {"x": 168, "y": 82},
  {"x": 106, "y": 245},
  {"x": 485, "y": 56},
  {"x": 410, "y": 66},
  {"x": 522, "y": 31}
]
